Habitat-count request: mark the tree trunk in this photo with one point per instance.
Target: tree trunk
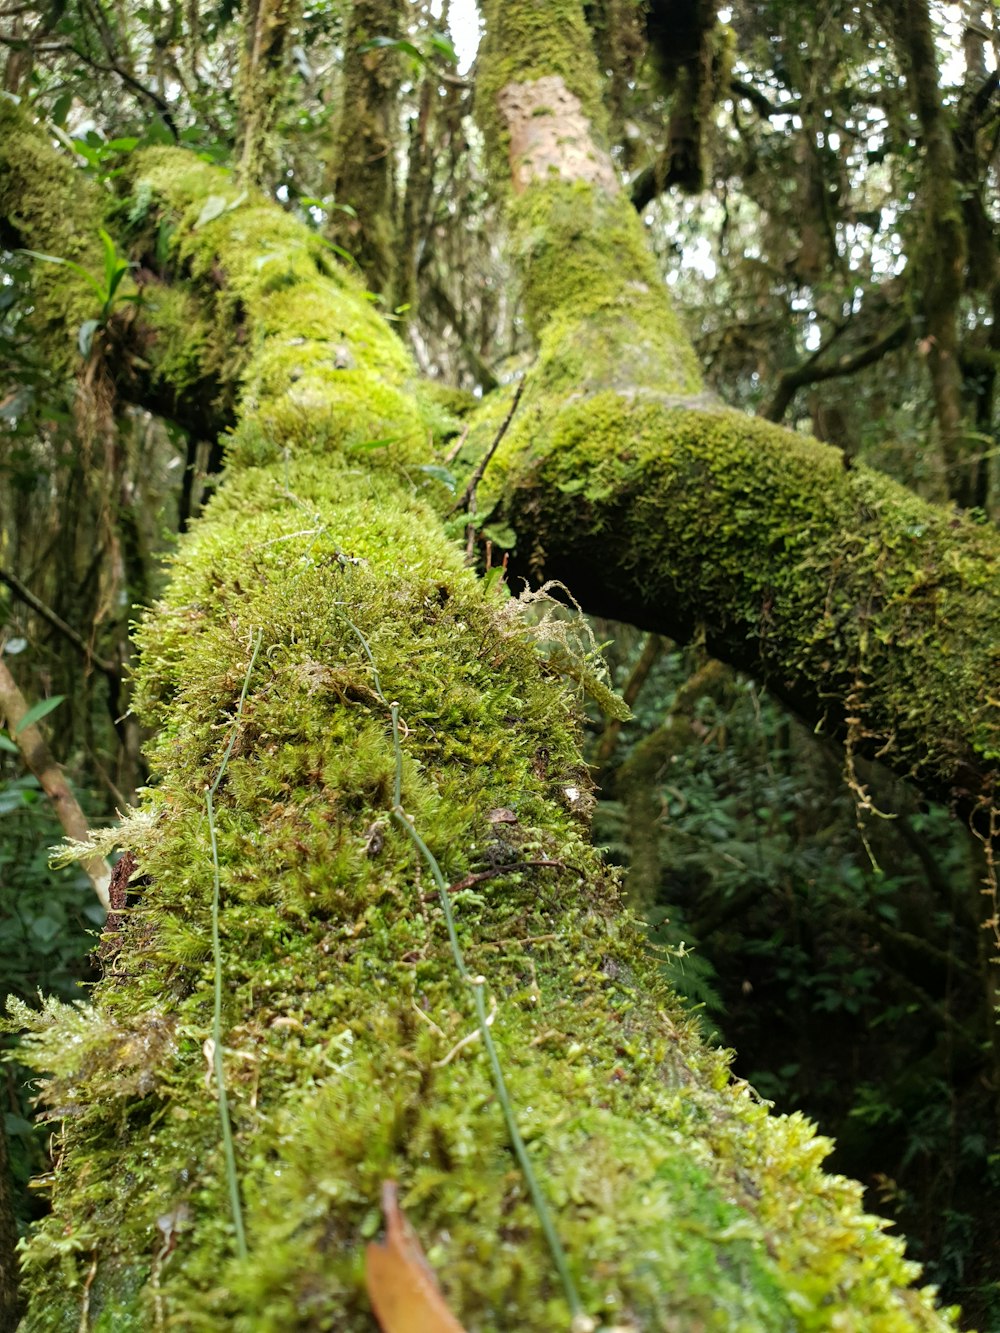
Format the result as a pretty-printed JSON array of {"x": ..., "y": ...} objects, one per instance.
[{"x": 347, "y": 721}]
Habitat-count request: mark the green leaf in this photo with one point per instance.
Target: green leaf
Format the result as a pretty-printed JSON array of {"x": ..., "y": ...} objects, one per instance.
[
  {"x": 491, "y": 578},
  {"x": 37, "y": 711},
  {"x": 391, "y": 44},
  {"x": 443, "y": 48},
  {"x": 7, "y": 744},
  {"x": 67, "y": 263},
  {"x": 16, "y": 1124},
  {"x": 213, "y": 207},
  {"x": 85, "y": 336},
  {"x": 60, "y": 108},
  {"x": 440, "y": 474},
  {"x": 111, "y": 261}
]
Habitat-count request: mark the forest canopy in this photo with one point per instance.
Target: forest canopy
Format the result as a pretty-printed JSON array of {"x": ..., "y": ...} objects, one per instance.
[{"x": 499, "y": 544}]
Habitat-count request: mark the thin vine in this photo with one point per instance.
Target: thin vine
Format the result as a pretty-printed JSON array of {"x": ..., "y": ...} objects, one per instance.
[
  {"x": 581, "y": 1321},
  {"x": 229, "y": 1150}
]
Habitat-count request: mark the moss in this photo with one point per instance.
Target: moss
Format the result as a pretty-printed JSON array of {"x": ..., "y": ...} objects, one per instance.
[
  {"x": 681, "y": 1201},
  {"x": 44, "y": 209},
  {"x": 306, "y": 330},
  {"x": 832, "y": 585}
]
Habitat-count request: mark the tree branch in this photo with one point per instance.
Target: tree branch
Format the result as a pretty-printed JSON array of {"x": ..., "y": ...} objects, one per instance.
[
  {"x": 38, "y": 757},
  {"x": 25, "y": 595},
  {"x": 809, "y": 372}
]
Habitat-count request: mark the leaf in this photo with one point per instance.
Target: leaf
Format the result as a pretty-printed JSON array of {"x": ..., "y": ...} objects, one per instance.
[
  {"x": 440, "y": 474},
  {"x": 401, "y": 1284},
  {"x": 391, "y": 44},
  {"x": 111, "y": 260},
  {"x": 213, "y": 207},
  {"x": 16, "y": 1124},
  {"x": 60, "y": 108},
  {"x": 67, "y": 263},
  {"x": 443, "y": 48},
  {"x": 7, "y": 744},
  {"x": 37, "y": 711},
  {"x": 85, "y": 336}
]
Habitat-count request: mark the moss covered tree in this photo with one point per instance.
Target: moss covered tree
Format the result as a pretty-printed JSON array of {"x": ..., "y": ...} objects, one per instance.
[{"x": 359, "y": 934}]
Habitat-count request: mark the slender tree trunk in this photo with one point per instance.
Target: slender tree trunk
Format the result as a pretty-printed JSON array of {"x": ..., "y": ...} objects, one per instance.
[
  {"x": 367, "y": 142},
  {"x": 942, "y": 250},
  {"x": 267, "y": 38}
]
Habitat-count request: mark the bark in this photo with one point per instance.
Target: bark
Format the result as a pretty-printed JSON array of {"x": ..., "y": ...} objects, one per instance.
[
  {"x": 269, "y": 26},
  {"x": 315, "y": 600},
  {"x": 365, "y": 175},
  {"x": 38, "y": 758},
  {"x": 942, "y": 250}
]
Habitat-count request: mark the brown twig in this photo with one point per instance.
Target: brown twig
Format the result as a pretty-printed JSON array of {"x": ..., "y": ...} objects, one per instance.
[
  {"x": 477, "y": 877},
  {"x": 38, "y": 757},
  {"x": 468, "y": 500},
  {"x": 26, "y": 596}
]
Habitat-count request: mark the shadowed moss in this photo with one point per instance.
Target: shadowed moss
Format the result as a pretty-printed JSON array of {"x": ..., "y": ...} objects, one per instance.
[{"x": 40, "y": 200}]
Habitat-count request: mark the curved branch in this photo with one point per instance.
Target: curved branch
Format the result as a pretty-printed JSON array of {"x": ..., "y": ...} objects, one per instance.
[{"x": 810, "y": 372}]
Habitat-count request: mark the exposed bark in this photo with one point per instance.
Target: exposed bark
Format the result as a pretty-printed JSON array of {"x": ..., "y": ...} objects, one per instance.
[
  {"x": 38, "y": 758},
  {"x": 682, "y": 38},
  {"x": 942, "y": 251},
  {"x": 268, "y": 27}
]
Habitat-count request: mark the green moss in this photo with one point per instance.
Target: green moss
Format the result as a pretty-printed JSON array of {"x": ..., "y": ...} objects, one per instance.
[
  {"x": 44, "y": 208},
  {"x": 307, "y": 334},
  {"x": 678, "y": 1197},
  {"x": 681, "y": 1201},
  {"x": 830, "y": 584}
]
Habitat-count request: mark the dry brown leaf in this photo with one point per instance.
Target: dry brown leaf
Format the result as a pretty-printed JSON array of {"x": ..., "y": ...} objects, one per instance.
[{"x": 401, "y": 1284}]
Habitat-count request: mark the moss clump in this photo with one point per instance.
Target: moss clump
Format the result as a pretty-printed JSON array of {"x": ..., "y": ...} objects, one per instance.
[{"x": 43, "y": 208}]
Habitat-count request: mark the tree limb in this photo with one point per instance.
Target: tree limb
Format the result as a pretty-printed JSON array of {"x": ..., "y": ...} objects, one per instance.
[
  {"x": 38, "y": 757},
  {"x": 795, "y": 378}
]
